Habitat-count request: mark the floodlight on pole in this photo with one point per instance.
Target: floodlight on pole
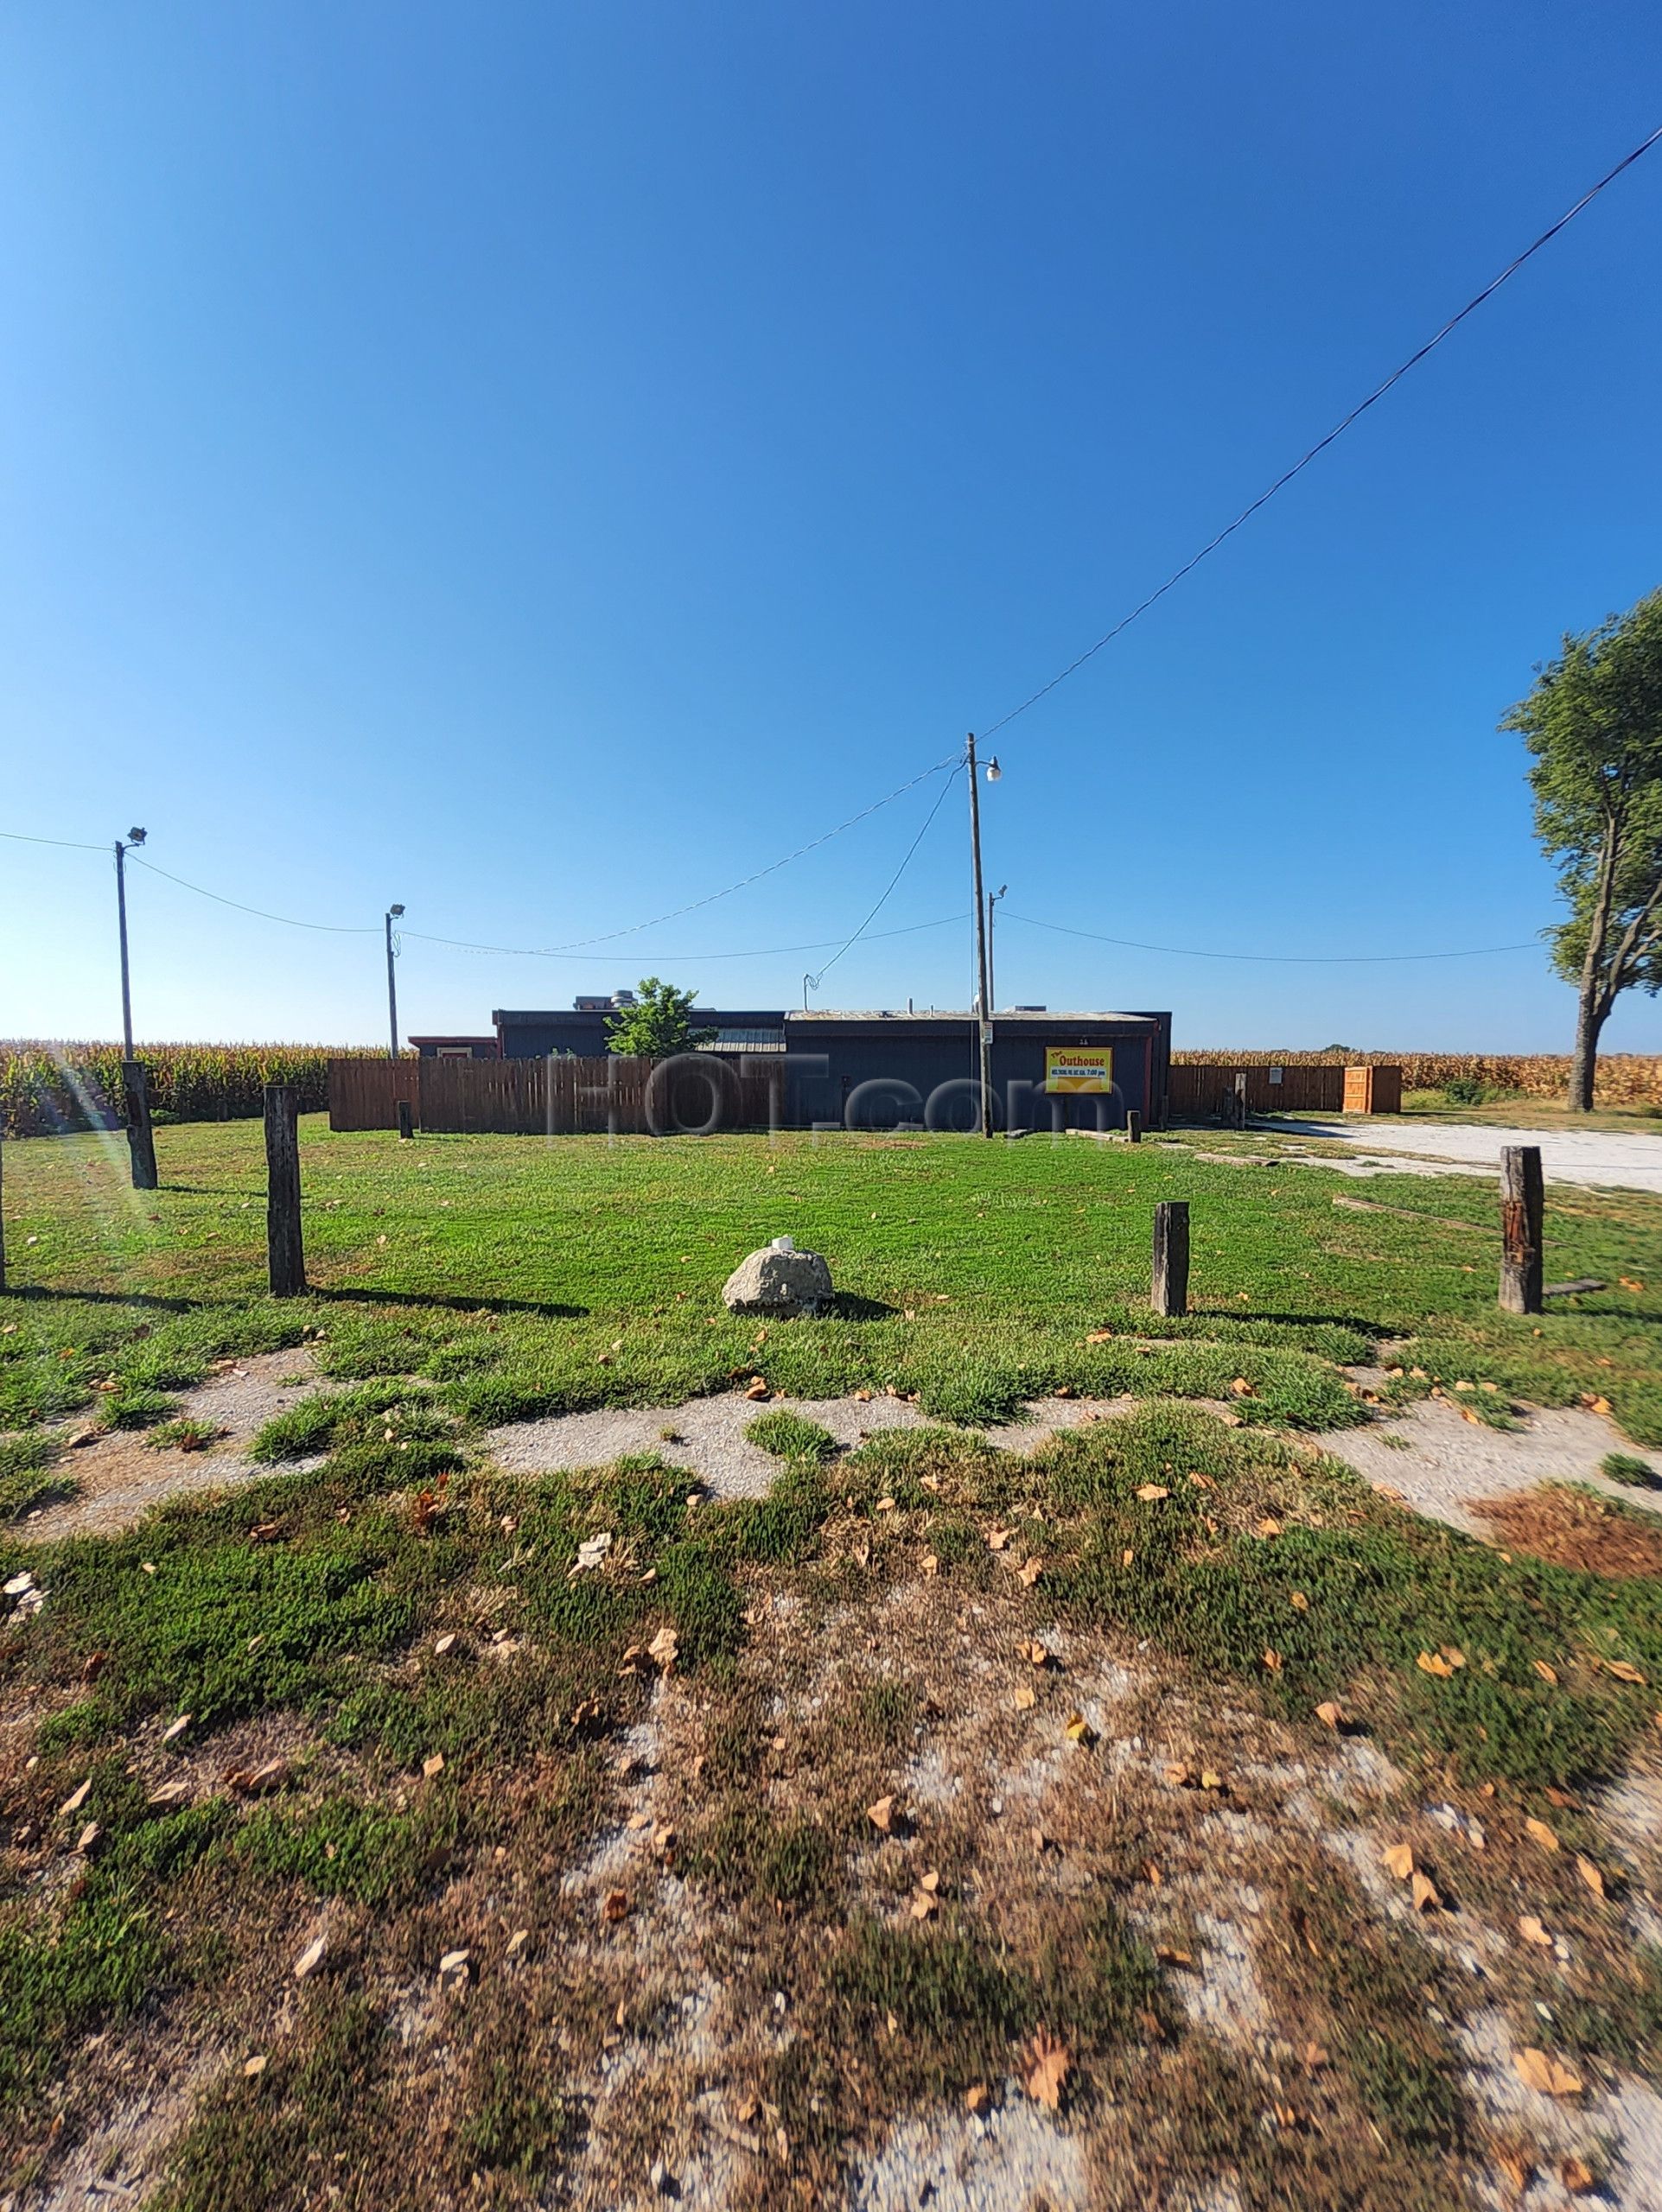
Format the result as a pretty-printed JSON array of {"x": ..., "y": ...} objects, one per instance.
[
  {"x": 392, "y": 915},
  {"x": 984, "y": 1006},
  {"x": 133, "y": 838}
]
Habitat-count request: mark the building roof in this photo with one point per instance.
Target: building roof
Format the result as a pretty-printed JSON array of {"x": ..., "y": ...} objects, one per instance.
[{"x": 1041, "y": 1017}]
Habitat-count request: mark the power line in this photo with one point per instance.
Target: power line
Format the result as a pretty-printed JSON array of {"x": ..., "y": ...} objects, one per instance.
[
  {"x": 609, "y": 936},
  {"x": 329, "y": 929},
  {"x": 1273, "y": 959},
  {"x": 1338, "y": 431},
  {"x": 759, "y": 953},
  {"x": 929, "y": 817},
  {"x": 66, "y": 844}
]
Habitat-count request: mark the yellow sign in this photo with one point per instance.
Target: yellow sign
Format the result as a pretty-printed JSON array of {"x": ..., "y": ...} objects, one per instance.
[{"x": 1080, "y": 1069}]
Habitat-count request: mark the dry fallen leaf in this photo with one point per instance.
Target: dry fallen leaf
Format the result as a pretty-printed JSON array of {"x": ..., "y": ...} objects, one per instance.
[
  {"x": 998, "y": 1538},
  {"x": 1148, "y": 1492},
  {"x": 176, "y": 1728},
  {"x": 310, "y": 1959},
  {"x": 1425, "y": 1894},
  {"x": 1099, "y": 1335},
  {"x": 1547, "y": 1674},
  {"x": 1433, "y": 1662},
  {"x": 979, "y": 2098},
  {"x": 87, "y": 1840},
  {"x": 1539, "y": 2071},
  {"x": 1625, "y": 1671},
  {"x": 434, "y": 1765},
  {"x": 1049, "y": 2064},
  {"x": 882, "y": 1814},
  {"x": 1330, "y": 1713},
  {"x": 1542, "y": 1833},
  {"x": 1589, "y": 1874},
  {"x": 1298, "y": 1601},
  {"x": 930, "y": 1565},
  {"x": 1210, "y": 1778},
  {"x": 254, "y": 2067},
  {"x": 1030, "y": 1571},
  {"x": 1168, "y": 1955},
  {"x": 1179, "y": 1776},
  {"x": 614, "y": 1905},
  {"x": 1399, "y": 1860},
  {"x": 1079, "y": 1730},
  {"x": 1036, "y": 1653},
  {"x": 1532, "y": 1932},
  {"x": 1272, "y": 1660},
  {"x": 1268, "y": 1526},
  {"x": 76, "y": 1798},
  {"x": 1241, "y": 1387},
  {"x": 1026, "y": 1698},
  {"x": 1127, "y": 1556},
  {"x": 446, "y": 1643},
  {"x": 1578, "y": 2178},
  {"x": 1517, "y": 2169},
  {"x": 663, "y": 1649}
]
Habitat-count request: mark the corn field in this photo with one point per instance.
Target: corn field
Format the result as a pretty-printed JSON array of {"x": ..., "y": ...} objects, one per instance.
[
  {"x": 47, "y": 1090},
  {"x": 1624, "y": 1078}
]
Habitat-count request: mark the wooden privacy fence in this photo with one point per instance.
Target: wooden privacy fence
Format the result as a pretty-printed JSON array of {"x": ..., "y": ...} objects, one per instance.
[
  {"x": 365, "y": 1094},
  {"x": 698, "y": 1094},
  {"x": 1201, "y": 1090}
]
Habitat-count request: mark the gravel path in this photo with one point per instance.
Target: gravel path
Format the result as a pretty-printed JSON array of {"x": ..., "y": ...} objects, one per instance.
[
  {"x": 1606, "y": 1157},
  {"x": 1450, "y": 1462},
  {"x": 706, "y": 1435}
]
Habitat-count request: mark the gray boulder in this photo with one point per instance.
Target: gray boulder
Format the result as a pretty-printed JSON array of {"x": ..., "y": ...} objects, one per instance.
[{"x": 779, "y": 1280}]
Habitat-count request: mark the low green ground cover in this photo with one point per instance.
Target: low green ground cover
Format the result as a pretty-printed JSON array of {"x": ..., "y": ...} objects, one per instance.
[{"x": 522, "y": 1278}]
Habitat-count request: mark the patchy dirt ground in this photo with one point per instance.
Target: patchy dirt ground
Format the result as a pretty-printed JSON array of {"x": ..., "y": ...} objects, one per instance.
[
  {"x": 706, "y": 1435},
  {"x": 1432, "y": 1457},
  {"x": 119, "y": 1476}
]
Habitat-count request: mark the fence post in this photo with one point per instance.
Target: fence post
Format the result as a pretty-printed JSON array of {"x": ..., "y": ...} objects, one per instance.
[
  {"x": 141, "y": 1137},
  {"x": 1170, "y": 1290},
  {"x": 1133, "y": 1126},
  {"x": 2, "y": 1206},
  {"x": 285, "y": 1257},
  {"x": 406, "y": 1119},
  {"x": 1520, "y": 1228}
]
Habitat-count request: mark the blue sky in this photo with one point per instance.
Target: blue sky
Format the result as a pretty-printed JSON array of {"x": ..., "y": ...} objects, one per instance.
[{"x": 540, "y": 462}]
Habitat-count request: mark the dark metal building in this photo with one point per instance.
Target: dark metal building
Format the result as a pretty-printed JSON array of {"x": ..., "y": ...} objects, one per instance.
[{"x": 879, "y": 1070}]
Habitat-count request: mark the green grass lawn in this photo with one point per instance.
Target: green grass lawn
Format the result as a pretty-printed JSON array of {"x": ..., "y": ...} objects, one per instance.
[
  {"x": 526, "y": 1278},
  {"x": 455, "y": 1704}
]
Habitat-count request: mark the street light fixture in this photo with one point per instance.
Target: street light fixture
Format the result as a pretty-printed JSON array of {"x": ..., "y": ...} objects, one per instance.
[
  {"x": 133, "y": 838},
  {"x": 992, "y": 901},
  {"x": 984, "y": 977},
  {"x": 392, "y": 915}
]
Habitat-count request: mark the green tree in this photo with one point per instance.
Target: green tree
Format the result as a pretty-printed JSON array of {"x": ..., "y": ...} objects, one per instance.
[
  {"x": 659, "y": 1025},
  {"x": 1593, "y": 724}
]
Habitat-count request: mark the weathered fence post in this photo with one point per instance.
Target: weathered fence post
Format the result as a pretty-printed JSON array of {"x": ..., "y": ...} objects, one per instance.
[
  {"x": 1133, "y": 1126},
  {"x": 1520, "y": 1228},
  {"x": 1170, "y": 1291},
  {"x": 141, "y": 1137},
  {"x": 284, "y": 1253},
  {"x": 406, "y": 1119}
]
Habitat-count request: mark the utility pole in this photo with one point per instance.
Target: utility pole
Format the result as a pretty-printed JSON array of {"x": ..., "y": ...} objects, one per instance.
[
  {"x": 993, "y": 897},
  {"x": 982, "y": 1003},
  {"x": 133, "y": 838},
  {"x": 392, "y": 913}
]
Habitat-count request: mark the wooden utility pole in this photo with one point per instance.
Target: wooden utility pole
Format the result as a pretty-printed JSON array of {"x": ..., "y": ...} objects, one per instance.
[
  {"x": 285, "y": 1256},
  {"x": 141, "y": 1136},
  {"x": 1520, "y": 1228},
  {"x": 1170, "y": 1290}
]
